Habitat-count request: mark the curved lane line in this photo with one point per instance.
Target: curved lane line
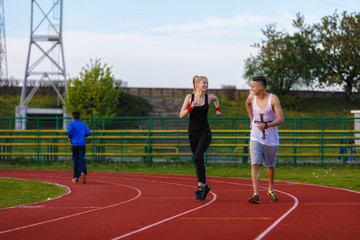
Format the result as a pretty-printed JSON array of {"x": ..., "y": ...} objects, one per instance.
[
  {"x": 279, "y": 219},
  {"x": 77, "y": 214},
  {"x": 263, "y": 234},
  {"x": 167, "y": 219}
]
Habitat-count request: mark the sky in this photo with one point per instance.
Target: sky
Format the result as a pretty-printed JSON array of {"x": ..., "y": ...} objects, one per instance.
[{"x": 163, "y": 43}]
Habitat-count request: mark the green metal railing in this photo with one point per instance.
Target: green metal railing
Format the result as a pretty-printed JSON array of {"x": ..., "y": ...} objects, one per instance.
[{"x": 149, "y": 139}]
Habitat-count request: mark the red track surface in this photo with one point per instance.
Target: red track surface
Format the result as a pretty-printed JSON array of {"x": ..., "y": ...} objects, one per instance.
[{"x": 148, "y": 206}]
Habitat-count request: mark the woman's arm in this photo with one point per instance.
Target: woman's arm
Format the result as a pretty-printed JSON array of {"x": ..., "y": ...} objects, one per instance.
[
  {"x": 184, "y": 109},
  {"x": 213, "y": 98}
]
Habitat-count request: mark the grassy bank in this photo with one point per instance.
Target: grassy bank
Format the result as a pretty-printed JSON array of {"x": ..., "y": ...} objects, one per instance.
[
  {"x": 14, "y": 192},
  {"x": 306, "y": 107}
]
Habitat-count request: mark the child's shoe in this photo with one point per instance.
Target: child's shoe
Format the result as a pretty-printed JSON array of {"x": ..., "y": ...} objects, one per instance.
[{"x": 83, "y": 178}]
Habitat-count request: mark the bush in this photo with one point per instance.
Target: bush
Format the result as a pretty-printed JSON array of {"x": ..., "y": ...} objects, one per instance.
[{"x": 132, "y": 106}]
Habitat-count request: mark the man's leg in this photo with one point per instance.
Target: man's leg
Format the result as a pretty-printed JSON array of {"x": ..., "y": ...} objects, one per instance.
[
  {"x": 255, "y": 177},
  {"x": 271, "y": 175}
]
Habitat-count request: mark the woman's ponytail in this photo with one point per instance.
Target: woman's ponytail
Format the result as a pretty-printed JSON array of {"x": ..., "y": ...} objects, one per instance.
[{"x": 195, "y": 79}]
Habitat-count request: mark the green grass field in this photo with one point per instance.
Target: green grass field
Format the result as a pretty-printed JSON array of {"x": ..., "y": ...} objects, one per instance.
[{"x": 14, "y": 192}]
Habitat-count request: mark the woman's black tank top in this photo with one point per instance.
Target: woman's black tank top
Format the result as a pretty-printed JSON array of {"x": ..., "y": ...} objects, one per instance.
[{"x": 198, "y": 122}]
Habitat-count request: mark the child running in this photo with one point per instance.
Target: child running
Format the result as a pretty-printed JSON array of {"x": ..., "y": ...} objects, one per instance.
[{"x": 77, "y": 131}]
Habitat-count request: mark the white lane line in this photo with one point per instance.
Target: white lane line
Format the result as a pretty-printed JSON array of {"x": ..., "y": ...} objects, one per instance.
[
  {"x": 296, "y": 203},
  {"x": 164, "y": 220},
  {"x": 263, "y": 234},
  {"x": 167, "y": 219},
  {"x": 77, "y": 214}
]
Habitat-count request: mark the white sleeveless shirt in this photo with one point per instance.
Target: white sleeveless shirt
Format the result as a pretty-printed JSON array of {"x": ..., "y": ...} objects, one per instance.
[{"x": 268, "y": 136}]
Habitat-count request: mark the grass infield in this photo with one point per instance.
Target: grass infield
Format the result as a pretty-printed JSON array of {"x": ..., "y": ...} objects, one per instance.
[{"x": 15, "y": 192}]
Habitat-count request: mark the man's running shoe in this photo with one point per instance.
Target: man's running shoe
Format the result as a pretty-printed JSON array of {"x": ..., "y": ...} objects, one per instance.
[
  {"x": 204, "y": 191},
  {"x": 273, "y": 197},
  {"x": 83, "y": 178},
  {"x": 254, "y": 199},
  {"x": 75, "y": 180},
  {"x": 198, "y": 193}
]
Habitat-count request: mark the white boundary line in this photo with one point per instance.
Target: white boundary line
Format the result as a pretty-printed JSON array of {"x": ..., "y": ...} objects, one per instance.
[
  {"x": 77, "y": 214},
  {"x": 279, "y": 219},
  {"x": 165, "y": 220}
]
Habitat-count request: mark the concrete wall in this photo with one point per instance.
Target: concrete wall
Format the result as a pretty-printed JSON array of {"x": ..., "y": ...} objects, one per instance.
[{"x": 177, "y": 93}]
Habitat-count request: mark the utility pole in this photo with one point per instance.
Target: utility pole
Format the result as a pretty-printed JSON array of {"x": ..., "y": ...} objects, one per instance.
[
  {"x": 3, "y": 56},
  {"x": 45, "y": 60}
]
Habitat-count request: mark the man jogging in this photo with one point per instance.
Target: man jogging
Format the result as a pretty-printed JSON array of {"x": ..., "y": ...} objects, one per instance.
[{"x": 265, "y": 115}]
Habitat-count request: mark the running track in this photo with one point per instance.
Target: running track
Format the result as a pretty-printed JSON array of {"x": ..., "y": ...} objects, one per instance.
[{"x": 148, "y": 206}]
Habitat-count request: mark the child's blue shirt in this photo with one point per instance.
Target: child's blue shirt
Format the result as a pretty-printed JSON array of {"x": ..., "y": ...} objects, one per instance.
[{"x": 77, "y": 131}]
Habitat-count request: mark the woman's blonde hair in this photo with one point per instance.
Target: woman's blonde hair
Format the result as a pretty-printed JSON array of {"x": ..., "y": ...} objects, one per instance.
[{"x": 197, "y": 79}]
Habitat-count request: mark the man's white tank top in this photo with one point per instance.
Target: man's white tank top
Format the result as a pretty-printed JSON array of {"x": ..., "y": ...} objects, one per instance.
[{"x": 269, "y": 136}]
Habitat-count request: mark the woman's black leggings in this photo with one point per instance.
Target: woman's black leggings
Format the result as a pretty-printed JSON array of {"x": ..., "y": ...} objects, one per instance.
[{"x": 199, "y": 144}]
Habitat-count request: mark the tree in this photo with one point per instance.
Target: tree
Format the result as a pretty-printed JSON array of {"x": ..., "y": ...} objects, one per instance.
[
  {"x": 130, "y": 105},
  {"x": 93, "y": 93},
  {"x": 283, "y": 59},
  {"x": 339, "y": 40}
]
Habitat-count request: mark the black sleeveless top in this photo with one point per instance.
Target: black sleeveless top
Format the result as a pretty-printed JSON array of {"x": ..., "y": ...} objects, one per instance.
[{"x": 198, "y": 122}]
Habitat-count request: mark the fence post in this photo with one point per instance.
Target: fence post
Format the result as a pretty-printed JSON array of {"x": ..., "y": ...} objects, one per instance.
[
  {"x": 149, "y": 141},
  {"x": 246, "y": 141},
  {"x": 344, "y": 142},
  {"x": 38, "y": 141},
  {"x": 295, "y": 142},
  {"x": 93, "y": 143},
  {"x": 322, "y": 143}
]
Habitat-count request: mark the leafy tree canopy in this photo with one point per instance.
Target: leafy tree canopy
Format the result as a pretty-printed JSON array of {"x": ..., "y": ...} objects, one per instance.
[
  {"x": 327, "y": 53},
  {"x": 338, "y": 37},
  {"x": 93, "y": 92}
]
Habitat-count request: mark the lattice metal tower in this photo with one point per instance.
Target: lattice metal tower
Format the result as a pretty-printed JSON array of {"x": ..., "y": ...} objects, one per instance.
[
  {"x": 45, "y": 61},
  {"x": 3, "y": 56}
]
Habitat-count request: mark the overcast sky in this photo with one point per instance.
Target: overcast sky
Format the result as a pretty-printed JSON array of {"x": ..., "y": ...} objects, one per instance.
[{"x": 163, "y": 43}]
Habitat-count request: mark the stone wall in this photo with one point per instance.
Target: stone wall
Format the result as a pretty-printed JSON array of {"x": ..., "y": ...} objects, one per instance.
[{"x": 178, "y": 92}]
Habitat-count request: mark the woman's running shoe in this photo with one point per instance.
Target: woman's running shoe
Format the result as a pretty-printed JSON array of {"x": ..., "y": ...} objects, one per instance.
[
  {"x": 198, "y": 193},
  {"x": 205, "y": 190}
]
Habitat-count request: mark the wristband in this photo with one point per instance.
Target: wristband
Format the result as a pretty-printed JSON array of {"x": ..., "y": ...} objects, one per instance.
[
  {"x": 189, "y": 108},
  {"x": 217, "y": 109},
  {"x": 266, "y": 126}
]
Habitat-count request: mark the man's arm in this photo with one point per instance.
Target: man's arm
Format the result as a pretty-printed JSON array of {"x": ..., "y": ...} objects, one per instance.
[
  {"x": 249, "y": 107},
  {"x": 275, "y": 103}
]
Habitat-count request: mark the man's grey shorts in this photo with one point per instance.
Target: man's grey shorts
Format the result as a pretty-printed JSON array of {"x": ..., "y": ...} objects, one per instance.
[{"x": 259, "y": 151}]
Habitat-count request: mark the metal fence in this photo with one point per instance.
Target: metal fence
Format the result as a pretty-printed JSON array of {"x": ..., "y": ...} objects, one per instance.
[{"x": 165, "y": 139}]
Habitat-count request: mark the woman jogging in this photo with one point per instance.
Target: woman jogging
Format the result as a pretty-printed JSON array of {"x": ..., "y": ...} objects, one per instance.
[{"x": 197, "y": 104}]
